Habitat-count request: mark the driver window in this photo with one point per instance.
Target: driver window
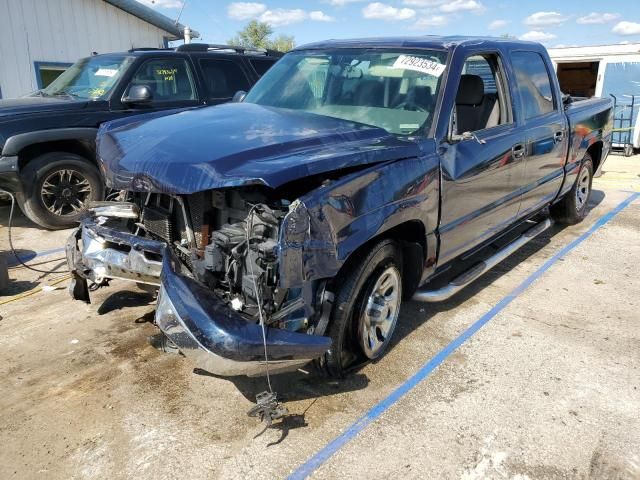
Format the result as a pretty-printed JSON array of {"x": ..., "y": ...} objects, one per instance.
[
  {"x": 170, "y": 80},
  {"x": 480, "y": 101}
]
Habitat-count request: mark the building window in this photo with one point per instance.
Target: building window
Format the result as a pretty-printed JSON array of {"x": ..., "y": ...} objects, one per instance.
[{"x": 47, "y": 72}]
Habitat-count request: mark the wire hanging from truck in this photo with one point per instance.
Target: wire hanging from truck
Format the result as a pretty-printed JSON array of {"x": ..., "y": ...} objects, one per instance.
[{"x": 267, "y": 405}]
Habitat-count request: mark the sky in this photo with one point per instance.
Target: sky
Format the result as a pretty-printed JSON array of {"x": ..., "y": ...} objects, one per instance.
[{"x": 551, "y": 22}]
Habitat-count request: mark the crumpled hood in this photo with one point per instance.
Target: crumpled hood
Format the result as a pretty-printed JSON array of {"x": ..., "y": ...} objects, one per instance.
[{"x": 236, "y": 144}]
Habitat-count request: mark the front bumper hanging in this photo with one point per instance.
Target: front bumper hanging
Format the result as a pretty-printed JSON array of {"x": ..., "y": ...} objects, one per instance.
[
  {"x": 97, "y": 253},
  {"x": 217, "y": 338}
]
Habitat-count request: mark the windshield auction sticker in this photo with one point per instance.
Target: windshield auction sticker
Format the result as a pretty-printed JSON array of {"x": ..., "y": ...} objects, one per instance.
[
  {"x": 418, "y": 64},
  {"x": 106, "y": 72}
]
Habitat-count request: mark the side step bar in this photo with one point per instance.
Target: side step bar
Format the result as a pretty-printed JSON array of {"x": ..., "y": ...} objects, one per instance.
[{"x": 465, "y": 278}]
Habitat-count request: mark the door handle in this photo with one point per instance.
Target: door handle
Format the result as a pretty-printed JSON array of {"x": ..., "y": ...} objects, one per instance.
[
  {"x": 518, "y": 150},
  {"x": 558, "y": 136}
]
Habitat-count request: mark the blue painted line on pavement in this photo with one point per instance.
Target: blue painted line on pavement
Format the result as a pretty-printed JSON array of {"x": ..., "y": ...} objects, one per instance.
[
  {"x": 336, "y": 444},
  {"x": 27, "y": 257}
]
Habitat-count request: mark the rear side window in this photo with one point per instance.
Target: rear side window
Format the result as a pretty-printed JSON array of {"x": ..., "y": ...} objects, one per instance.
[
  {"x": 533, "y": 84},
  {"x": 223, "y": 78},
  {"x": 261, "y": 65}
]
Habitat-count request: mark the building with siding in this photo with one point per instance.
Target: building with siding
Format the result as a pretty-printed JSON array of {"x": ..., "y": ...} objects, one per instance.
[{"x": 40, "y": 38}]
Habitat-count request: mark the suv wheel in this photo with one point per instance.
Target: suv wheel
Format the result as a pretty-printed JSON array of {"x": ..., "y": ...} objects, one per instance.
[{"x": 60, "y": 187}]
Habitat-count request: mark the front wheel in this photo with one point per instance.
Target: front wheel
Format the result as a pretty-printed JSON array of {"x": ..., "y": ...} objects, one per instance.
[
  {"x": 60, "y": 186},
  {"x": 366, "y": 309},
  {"x": 572, "y": 208}
]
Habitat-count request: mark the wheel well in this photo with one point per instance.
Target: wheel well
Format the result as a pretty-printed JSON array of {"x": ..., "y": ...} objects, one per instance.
[
  {"x": 77, "y": 147},
  {"x": 412, "y": 238},
  {"x": 595, "y": 151}
]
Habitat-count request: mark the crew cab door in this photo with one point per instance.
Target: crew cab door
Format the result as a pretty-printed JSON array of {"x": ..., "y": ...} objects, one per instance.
[
  {"x": 543, "y": 120},
  {"x": 482, "y": 161}
]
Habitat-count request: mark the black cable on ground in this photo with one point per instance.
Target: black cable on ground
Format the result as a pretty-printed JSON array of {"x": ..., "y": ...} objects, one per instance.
[{"x": 13, "y": 250}]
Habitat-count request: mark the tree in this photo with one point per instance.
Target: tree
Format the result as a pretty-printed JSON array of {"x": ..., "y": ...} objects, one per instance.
[{"x": 256, "y": 35}]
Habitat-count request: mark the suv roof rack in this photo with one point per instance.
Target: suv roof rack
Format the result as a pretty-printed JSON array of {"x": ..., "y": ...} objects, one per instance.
[
  {"x": 147, "y": 49},
  {"x": 205, "y": 47}
]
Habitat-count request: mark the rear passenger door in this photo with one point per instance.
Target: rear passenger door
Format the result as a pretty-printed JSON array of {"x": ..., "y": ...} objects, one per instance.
[
  {"x": 481, "y": 173},
  {"x": 222, "y": 78},
  {"x": 545, "y": 124}
]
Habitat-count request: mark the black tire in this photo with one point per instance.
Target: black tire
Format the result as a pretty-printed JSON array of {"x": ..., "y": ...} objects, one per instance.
[
  {"x": 573, "y": 207},
  {"x": 79, "y": 183},
  {"x": 352, "y": 289}
]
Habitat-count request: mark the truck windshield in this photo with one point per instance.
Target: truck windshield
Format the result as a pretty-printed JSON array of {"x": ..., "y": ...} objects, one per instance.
[
  {"x": 394, "y": 90},
  {"x": 89, "y": 78}
]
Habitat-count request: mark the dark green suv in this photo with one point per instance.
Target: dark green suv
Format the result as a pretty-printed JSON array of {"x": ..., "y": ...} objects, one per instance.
[{"x": 47, "y": 139}]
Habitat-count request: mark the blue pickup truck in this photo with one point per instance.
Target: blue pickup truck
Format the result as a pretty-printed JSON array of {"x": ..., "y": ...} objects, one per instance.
[{"x": 289, "y": 226}]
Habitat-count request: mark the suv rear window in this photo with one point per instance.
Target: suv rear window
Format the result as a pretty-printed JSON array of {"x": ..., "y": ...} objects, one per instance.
[
  {"x": 223, "y": 78},
  {"x": 261, "y": 65}
]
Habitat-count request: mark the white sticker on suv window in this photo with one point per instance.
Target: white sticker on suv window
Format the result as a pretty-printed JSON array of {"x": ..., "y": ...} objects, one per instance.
[
  {"x": 418, "y": 64},
  {"x": 106, "y": 72}
]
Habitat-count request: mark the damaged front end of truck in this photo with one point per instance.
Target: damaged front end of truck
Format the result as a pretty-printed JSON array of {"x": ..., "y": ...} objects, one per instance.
[
  {"x": 232, "y": 253},
  {"x": 220, "y": 261}
]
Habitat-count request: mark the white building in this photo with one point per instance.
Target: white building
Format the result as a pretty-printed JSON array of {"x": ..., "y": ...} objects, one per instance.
[
  {"x": 603, "y": 71},
  {"x": 40, "y": 38}
]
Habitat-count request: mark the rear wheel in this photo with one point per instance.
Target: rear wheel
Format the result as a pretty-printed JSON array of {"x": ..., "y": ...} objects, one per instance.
[
  {"x": 366, "y": 309},
  {"x": 59, "y": 187},
  {"x": 572, "y": 208}
]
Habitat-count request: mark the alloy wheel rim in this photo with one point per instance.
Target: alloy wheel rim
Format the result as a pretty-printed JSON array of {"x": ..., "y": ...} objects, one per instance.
[
  {"x": 582, "y": 189},
  {"x": 64, "y": 192},
  {"x": 381, "y": 313}
]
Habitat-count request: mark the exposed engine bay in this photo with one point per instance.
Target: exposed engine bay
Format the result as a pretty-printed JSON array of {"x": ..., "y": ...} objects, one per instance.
[{"x": 228, "y": 240}]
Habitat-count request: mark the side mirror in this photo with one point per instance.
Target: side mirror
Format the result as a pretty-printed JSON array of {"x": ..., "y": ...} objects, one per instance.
[
  {"x": 239, "y": 96},
  {"x": 138, "y": 94}
]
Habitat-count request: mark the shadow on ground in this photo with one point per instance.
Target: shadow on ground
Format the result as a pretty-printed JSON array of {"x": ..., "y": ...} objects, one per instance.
[
  {"x": 126, "y": 298},
  {"x": 297, "y": 386},
  {"x": 409, "y": 321}
]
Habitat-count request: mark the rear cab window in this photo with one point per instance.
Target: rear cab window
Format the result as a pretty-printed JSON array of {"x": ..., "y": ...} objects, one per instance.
[{"x": 533, "y": 84}]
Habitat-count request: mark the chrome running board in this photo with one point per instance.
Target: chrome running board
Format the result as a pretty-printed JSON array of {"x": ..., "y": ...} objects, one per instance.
[{"x": 465, "y": 278}]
